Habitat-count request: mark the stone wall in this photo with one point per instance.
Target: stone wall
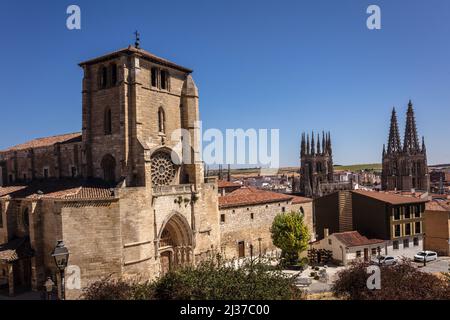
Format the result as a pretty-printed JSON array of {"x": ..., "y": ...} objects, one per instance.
[{"x": 251, "y": 224}]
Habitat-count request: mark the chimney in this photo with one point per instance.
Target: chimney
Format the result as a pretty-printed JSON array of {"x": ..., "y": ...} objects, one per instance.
[{"x": 325, "y": 233}]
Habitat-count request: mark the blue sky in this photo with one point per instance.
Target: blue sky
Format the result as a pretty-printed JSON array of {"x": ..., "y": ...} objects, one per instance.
[{"x": 294, "y": 65}]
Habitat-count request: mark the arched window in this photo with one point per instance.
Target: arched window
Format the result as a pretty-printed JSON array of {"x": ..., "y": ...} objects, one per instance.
[
  {"x": 113, "y": 74},
  {"x": 108, "y": 122},
  {"x": 109, "y": 168},
  {"x": 103, "y": 77},
  {"x": 161, "y": 120}
]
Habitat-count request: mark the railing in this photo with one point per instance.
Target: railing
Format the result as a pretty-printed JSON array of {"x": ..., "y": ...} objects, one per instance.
[{"x": 174, "y": 189}]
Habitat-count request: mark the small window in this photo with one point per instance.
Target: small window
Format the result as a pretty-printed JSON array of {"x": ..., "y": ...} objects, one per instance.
[
  {"x": 406, "y": 243},
  {"x": 113, "y": 74},
  {"x": 416, "y": 242},
  {"x": 154, "y": 77},
  {"x": 358, "y": 254},
  {"x": 408, "y": 212},
  {"x": 417, "y": 211},
  {"x": 103, "y": 77},
  {"x": 252, "y": 216},
  {"x": 108, "y": 122},
  {"x": 330, "y": 242},
  {"x": 397, "y": 232},
  {"x": 161, "y": 120},
  {"x": 45, "y": 173},
  {"x": 26, "y": 218},
  {"x": 234, "y": 211},
  {"x": 222, "y": 218},
  {"x": 267, "y": 206},
  {"x": 283, "y": 209},
  {"x": 396, "y": 213},
  {"x": 164, "y": 80},
  {"x": 395, "y": 245},
  {"x": 374, "y": 251},
  {"x": 408, "y": 229},
  {"x": 417, "y": 227}
]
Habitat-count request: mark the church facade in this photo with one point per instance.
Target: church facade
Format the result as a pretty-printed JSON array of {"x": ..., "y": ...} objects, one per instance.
[
  {"x": 405, "y": 166},
  {"x": 128, "y": 194}
]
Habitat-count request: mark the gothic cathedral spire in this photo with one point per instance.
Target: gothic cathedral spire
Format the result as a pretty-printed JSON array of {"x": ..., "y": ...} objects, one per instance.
[
  {"x": 394, "y": 144},
  {"x": 411, "y": 143}
]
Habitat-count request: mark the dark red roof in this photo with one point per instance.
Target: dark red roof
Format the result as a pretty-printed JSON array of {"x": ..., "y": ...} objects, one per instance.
[
  {"x": 46, "y": 142},
  {"x": 355, "y": 239},
  {"x": 391, "y": 198},
  {"x": 251, "y": 196},
  {"x": 65, "y": 189},
  {"x": 228, "y": 184}
]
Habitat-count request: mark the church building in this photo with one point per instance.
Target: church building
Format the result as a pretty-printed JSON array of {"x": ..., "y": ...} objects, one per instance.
[{"x": 405, "y": 166}]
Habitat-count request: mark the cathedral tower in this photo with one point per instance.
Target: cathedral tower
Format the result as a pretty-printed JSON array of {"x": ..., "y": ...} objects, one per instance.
[
  {"x": 316, "y": 164},
  {"x": 405, "y": 168}
]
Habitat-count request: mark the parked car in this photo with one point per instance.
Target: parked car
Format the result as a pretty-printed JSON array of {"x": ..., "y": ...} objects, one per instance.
[
  {"x": 385, "y": 260},
  {"x": 427, "y": 255}
]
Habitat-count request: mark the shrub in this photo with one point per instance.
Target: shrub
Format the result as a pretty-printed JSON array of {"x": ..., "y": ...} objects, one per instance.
[
  {"x": 207, "y": 281},
  {"x": 402, "y": 281}
]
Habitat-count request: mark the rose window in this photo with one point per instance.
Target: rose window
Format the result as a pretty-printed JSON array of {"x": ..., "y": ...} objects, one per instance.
[{"x": 163, "y": 169}]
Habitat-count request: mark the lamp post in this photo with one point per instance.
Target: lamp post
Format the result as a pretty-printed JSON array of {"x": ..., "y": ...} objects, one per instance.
[{"x": 61, "y": 256}]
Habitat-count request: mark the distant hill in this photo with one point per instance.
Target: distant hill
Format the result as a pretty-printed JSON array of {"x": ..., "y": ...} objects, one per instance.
[{"x": 359, "y": 167}]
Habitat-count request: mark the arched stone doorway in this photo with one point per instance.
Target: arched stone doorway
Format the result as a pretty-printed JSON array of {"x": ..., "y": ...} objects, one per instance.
[{"x": 175, "y": 243}]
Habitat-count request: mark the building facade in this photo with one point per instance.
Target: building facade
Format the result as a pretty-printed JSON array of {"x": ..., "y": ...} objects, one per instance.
[
  {"x": 437, "y": 226},
  {"x": 405, "y": 167},
  {"x": 396, "y": 219}
]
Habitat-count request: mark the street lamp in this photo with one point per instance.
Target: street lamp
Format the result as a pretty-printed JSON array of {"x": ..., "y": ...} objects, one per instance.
[{"x": 61, "y": 256}]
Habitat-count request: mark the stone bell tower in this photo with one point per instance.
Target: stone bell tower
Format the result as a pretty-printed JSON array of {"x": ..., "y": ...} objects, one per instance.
[{"x": 135, "y": 106}]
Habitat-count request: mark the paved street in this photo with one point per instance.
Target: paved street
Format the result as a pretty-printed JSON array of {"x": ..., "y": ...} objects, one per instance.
[{"x": 442, "y": 264}]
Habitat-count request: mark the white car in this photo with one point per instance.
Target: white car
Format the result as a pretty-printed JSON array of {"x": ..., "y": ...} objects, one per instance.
[
  {"x": 425, "y": 255},
  {"x": 385, "y": 260}
]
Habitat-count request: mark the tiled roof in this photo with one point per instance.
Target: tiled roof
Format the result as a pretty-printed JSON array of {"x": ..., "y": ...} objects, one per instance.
[
  {"x": 438, "y": 205},
  {"x": 132, "y": 50},
  {"x": 228, "y": 184},
  {"x": 298, "y": 200},
  {"x": 355, "y": 239},
  {"x": 391, "y": 198},
  {"x": 46, "y": 142},
  {"x": 60, "y": 189},
  {"x": 15, "y": 250},
  {"x": 251, "y": 196}
]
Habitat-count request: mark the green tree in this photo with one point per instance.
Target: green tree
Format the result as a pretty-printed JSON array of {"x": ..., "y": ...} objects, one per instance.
[{"x": 291, "y": 235}]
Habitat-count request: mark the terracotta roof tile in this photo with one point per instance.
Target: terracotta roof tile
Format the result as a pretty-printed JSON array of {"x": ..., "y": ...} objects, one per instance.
[
  {"x": 355, "y": 239},
  {"x": 251, "y": 196},
  {"x": 46, "y": 142},
  {"x": 438, "y": 205},
  {"x": 60, "y": 189},
  {"x": 299, "y": 200},
  {"x": 15, "y": 250},
  {"x": 391, "y": 198},
  {"x": 228, "y": 184}
]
